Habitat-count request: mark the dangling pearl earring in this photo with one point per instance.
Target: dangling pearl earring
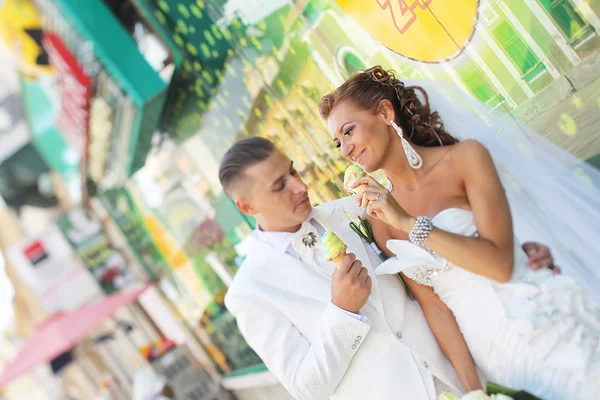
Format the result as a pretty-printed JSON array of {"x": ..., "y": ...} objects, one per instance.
[{"x": 414, "y": 159}]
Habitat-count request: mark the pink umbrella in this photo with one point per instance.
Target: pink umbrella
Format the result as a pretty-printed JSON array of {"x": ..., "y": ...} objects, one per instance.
[{"x": 62, "y": 331}]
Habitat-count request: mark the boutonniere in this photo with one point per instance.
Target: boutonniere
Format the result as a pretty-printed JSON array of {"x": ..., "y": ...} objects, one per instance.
[{"x": 363, "y": 229}]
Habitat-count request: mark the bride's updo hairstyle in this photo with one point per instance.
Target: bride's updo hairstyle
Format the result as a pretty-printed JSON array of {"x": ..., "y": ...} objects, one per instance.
[{"x": 369, "y": 88}]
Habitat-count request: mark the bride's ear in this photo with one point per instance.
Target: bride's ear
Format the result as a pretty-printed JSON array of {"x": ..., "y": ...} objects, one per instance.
[{"x": 386, "y": 111}]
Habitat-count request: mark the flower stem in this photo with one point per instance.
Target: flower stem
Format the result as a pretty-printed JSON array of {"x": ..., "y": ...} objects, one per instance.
[
  {"x": 494, "y": 388},
  {"x": 408, "y": 292}
]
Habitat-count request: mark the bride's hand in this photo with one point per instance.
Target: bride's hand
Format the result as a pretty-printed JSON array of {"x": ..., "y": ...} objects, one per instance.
[{"x": 380, "y": 204}]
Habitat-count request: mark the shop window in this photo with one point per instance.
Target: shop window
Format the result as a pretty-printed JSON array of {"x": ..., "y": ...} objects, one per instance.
[
  {"x": 569, "y": 20},
  {"x": 522, "y": 57},
  {"x": 481, "y": 89}
]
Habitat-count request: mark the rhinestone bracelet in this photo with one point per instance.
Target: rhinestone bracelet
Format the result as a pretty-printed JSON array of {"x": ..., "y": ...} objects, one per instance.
[{"x": 420, "y": 232}]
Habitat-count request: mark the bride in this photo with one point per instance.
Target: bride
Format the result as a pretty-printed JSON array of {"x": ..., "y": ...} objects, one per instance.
[{"x": 447, "y": 219}]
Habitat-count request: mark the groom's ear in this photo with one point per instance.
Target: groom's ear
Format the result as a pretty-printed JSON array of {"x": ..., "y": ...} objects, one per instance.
[{"x": 244, "y": 205}]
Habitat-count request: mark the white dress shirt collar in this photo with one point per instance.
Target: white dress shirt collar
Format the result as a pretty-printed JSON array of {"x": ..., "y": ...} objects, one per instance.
[{"x": 282, "y": 241}]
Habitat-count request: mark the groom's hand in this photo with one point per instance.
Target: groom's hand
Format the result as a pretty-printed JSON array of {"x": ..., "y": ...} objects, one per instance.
[{"x": 350, "y": 285}]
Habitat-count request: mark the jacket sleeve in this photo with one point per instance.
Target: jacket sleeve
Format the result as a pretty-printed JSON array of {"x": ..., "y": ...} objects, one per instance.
[{"x": 308, "y": 370}]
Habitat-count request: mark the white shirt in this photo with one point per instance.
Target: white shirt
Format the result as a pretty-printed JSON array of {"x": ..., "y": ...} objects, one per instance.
[{"x": 282, "y": 241}]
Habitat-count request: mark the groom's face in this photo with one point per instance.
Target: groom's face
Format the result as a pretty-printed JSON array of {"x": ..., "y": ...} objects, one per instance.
[{"x": 277, "y": 197}]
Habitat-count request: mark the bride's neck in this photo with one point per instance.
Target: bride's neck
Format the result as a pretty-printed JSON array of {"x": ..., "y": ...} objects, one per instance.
[{"x": 397, "y": 169}]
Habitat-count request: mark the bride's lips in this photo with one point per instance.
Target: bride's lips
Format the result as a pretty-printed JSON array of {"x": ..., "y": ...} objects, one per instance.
[{"x": 357, "y": 159}]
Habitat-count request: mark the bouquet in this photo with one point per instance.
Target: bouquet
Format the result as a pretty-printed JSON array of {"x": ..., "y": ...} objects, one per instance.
[
  {"x": 494, "y": 392},
  {"x": 362, "y": 228}
]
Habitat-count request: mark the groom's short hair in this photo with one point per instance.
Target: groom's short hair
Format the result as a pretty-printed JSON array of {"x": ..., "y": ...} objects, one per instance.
[{"x": 242, "y": 155}]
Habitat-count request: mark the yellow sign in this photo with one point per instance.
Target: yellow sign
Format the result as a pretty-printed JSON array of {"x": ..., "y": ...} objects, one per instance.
[
  {"x": 164, "y": 242},
  {"x": 430, "y": 31},
  {"x": 21, "y": 30}
]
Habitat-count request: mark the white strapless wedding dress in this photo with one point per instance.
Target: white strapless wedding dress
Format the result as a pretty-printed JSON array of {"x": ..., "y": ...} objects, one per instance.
[{"x": 538, "y": 332}]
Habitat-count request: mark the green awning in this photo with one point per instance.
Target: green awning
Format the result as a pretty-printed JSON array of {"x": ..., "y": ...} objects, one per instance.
[{"x": 41, "y": 111}]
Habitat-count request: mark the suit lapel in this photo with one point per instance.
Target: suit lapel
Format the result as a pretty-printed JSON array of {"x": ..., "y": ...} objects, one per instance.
[
  {"x": 286, "y": 272},
  {"x": 281, "y": 270},
  {"x": 334, "y": 219}
]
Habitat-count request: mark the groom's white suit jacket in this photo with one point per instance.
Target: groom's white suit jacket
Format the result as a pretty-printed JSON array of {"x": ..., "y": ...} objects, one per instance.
[{"x": 317, "y": 351}]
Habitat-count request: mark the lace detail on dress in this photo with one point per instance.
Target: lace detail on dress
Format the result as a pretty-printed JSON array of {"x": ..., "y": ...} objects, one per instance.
[
  {"x": 569, "y": 310},
  {"x": 425, "y": 275}
]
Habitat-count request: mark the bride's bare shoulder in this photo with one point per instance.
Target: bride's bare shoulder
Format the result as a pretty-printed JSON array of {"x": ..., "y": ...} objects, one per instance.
[
  {"x": 469, "y": 152},
  {"x": 470, "y": 145},
  {"x": 454, "y": 158},
  {"x": 471, "y": 161}
]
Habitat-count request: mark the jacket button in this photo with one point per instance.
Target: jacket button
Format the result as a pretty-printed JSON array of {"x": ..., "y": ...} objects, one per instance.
[{"x": 399, "y": 334}]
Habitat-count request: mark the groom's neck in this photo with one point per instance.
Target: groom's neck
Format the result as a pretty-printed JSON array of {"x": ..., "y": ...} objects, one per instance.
[
  {"x": 266, "y": 227},
  {"x": 276, "y": 226}
]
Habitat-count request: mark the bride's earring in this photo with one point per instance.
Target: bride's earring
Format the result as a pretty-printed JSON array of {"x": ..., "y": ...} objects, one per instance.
[{"x": 414, "y": 159}]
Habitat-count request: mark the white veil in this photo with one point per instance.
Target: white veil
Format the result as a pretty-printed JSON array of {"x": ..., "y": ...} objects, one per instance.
[{"x": 554, "y": 197}]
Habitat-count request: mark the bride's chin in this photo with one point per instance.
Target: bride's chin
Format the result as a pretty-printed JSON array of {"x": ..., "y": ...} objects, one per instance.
[{"x": 368, "y": 169}]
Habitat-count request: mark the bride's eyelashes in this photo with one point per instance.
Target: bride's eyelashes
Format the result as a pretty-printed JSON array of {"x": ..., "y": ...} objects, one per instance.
[{"x": 348, "y": 132}]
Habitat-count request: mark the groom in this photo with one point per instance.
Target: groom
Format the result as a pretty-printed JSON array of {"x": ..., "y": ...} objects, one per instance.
[{"x": 325, "y": 333}]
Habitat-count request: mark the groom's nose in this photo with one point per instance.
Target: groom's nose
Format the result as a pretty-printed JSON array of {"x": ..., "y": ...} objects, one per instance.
[{"x": 297, "y": 185}]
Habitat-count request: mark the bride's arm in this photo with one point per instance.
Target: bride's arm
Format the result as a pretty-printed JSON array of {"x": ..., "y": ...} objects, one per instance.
[
  {"x": 439, "y": 318},
  {"x": 443, "y": 325},
  {"x": 491, "y": 253}
]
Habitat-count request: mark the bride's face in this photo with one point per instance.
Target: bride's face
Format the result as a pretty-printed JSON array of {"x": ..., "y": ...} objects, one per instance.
[{"x": 362, "y": 136}]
